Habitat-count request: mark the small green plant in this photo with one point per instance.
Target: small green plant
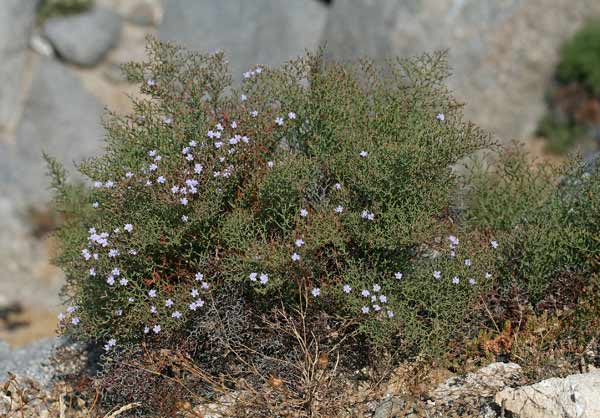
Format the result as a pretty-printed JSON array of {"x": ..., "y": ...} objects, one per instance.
[
  {"x": 48, "y": 8},
  {"x": 549, "y": 225},
  {"x": 560, "y": 135},
  {"x": 580, "y": 58}
]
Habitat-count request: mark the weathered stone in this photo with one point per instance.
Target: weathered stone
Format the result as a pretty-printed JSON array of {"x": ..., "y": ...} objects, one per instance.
[
  {"x": 61, "y": 118},
  {"x": 16, "y": 21},
  {"x": 267, "y": 32},
  {"x": 575, "y": 396},
  {"x": 84, "y": 38},
  {"x": 502, "y": 53}
]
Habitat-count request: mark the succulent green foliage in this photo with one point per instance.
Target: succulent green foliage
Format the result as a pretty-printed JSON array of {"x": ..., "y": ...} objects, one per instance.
[
  {"x": 353, "y": 160},
  {"x": 560, "y": 135},
  {"x": 580, "y": 58}
]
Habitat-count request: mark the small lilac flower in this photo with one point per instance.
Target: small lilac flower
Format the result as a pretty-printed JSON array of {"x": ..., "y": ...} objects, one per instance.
[
  {"x": 111, "y": 343},
  {"x": 130, "y": 299},
  {"x": 376, "y": 287},
  {"x": 245, "y": 139},
  {"x": 270, "y": 164},
  {"x": 157, "y": 158},
  {"x": 150, "y": 83},
  {"x": 233, "y": 125},
  {"x": 119, "y": 312},
  {"x": 494, "y": 244},
  {"x": 452, "y": 253},
  {"x": 316, "y": 291},
  {"x": 440, "y": 117},
  {"x": 338, "y": 186},
  {"x": 376, "y": 308},
  {"x": 455, "y": 280},
  {"x": 219, "y": 127},
  {"x": 113, "y": 252},
  {"x": 204, "y": 285},
  {"x": 437, "y": 275},
  {"x": 92, "y": 271},
  {"x": 71, "y": 309},
  {"x": 153, "y": 167},
  {"x": 110, "y": 280},
  {"x": 129, "y": 174},
  {"x": 199, "y": 277},
  {"x": 175, "y": 189},
  {"x": 299, "y": 242},
  {"x": 169, "y": 303},
  {"x": 291, "y": 115},
  {"x": 199, "y": 303},
  {"x": 168, "y": 120},
  {"x": 398, "y": 275},
  {"x": 198, "y": 168},
  {"x": 472, "y": 282},
  {"x": 152, "y": 293},
  {"x": 390, "y": 314},
  {"x": 243, "y": 97},
  {"x": 193, "y": 143},
  {"x": 148, "y": 182},
  {"x": 488, "y": 275},
  {"x": 109, "y": 184},
  {"x": 303, "y": 213},
  {"x": 95, "y": 205},
  {"x": 264, "y": 278},
  {"x": 339, "y": 209},
  {"x": 146, "y": 329},
  {"x": 61, "y": 317},
  {"x": 365, "y": 309},
  {"x": 161, "y": 180},
  {"x": 153, "y": 309},
  {"x": 97, "y": 184},
  {"x": 363, "y": 154},
  {"x": 152, "y": 153},
  {"x": 128, "y": 227},
  {"x": 254, "y": 113},
  {"x": 347, "y": 288},
  {"x": 86, "y": 254},
  {"x": 123, "y": 281},
  {"x": 279, "y": 121},
  {"x": 183, "y": 201},
  {"x": 365, "y": 293},
  {"x": 383, "y": 298},
  {"x": 156, "y": 329},
  {"x": 453, "y": 241},
  {"x": 184, "y": 218},
  {"x": 253, "y": 276},
  {"x": 75, "y": 320},
  {"x": 189, "y": 157},
  {"x": 195, "y": 293},
  {"x": 295, "y": 257},
  {"x": 132, "y": 251},
  {"x": 468, "y": 262},
  {"x": 176, "y": 314}
]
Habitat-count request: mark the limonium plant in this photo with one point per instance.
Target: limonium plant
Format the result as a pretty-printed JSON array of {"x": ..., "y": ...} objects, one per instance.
[{"x": 315, "y": 181}]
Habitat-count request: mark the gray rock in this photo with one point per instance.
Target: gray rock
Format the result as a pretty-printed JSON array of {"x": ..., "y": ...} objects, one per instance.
[
  {"x": 389, "y": 408},
  {"x": 575, "y": 396},
  {"x": 267, "y": 32},
  {"x": 16, "y": 21},
  {"x": 143, "y": 14},
  {"x": 502, "y": 53},
  {"x": 36, "y": 360},
  {"x": 475, "y": 391},
  {"x": 84, "y": 38},
  {"x": 61, "y": 118}
]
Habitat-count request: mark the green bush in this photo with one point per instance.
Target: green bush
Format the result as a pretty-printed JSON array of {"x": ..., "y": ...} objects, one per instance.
[
  {"x": 546, "y": 217},
  {"x": 305, "y": 180},
  {"x": 580, "y": 58},
  {"x": 560, "y": 136}
]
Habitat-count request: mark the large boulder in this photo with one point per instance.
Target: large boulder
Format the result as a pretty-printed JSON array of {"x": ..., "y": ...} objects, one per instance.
[
  {"x": 61, "y": 118},
  {"x": 575, "y": 396},
  {"x": 267, "y": 32},
  {"x": 16, "y": 21},
  {"x": 502, "y": 53},
  {"x": 84, "y": 38}
]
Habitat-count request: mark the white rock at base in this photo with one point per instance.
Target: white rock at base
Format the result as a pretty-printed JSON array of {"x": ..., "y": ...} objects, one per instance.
[{"x": 575, "y": 396}]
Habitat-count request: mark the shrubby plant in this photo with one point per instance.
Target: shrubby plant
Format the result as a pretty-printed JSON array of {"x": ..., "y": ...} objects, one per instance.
[
  {"x": 580, "y": 58},
  {"x": 546, "y": 215}
]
